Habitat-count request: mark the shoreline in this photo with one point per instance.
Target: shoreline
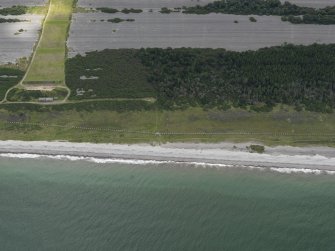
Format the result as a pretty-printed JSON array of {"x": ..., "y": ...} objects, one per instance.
[{"x": 230, "y": 154}]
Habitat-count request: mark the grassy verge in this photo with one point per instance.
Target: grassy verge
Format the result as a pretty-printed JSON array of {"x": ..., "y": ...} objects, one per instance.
[
  {"x": 48, "y": 63},
  {"x": 283, "y": 126}
]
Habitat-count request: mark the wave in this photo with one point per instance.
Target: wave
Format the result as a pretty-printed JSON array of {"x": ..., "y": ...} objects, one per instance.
[{"x": 281, "y": 170}]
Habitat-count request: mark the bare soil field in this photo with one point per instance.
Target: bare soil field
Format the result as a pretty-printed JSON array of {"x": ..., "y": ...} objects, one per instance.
[
  {"x": 175, "y": 30},
  {"x": 6, "y": 3},
  {"x": 17, "y": 39}
]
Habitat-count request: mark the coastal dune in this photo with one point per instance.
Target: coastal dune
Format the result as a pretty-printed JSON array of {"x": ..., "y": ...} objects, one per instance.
[{"x": 226, "y": 154}]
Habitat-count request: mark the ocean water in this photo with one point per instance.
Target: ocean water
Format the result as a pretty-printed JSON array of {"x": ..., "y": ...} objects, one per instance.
[{"x": 54, "y": 204}]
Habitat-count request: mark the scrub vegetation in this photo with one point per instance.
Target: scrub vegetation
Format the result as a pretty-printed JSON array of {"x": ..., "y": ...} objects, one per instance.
[
  {"x": 14, "y": 10},
  {"x": 120, "y": 20},
  {"x": 108, "y": 10},
  {"x": 11, "y": 20},
  {"x": 124, "y": 11},
  {"x": 9, "y": 77},
  {"x": 289, "y": 12},
  {"x": 22, "y": 95},
  {"x": 108, "y": 74}
]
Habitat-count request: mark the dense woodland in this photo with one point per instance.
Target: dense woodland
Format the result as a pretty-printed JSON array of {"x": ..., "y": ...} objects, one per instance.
[
  {"x": 302, "y": 76},
  {"x": 14, "y": 10},
  {"x": 289, "y": 12}
]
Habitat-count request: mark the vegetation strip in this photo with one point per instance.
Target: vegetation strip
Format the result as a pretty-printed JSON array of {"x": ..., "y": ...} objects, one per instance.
[
  {"x": 289, "y": 12},
  {"x": 11, "y": 20},
  {"x": 174, "y": 133},
  {"x": 14, "y": 10},
  {"x": 48, "y": 62}
]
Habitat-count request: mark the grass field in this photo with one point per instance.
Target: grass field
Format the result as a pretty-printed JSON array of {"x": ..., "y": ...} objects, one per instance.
[
  {"x": 48, "y": 62},
  {"x": 283, "y": 126}
]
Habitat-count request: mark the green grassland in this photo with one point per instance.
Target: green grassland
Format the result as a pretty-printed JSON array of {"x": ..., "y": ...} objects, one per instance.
[
  {"x": 282, "y": 126},
  {"x": 48, "y": 63}
]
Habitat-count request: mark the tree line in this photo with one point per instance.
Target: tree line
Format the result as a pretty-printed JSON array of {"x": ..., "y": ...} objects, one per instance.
[
  {"x": 289, "y": 12},
  {"x": 14, "y": 10}
]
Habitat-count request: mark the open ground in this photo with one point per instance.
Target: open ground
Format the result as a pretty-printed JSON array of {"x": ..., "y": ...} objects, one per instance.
[
  {"x": 283, "y": 126},
  {"x": 47, "y": 65}
]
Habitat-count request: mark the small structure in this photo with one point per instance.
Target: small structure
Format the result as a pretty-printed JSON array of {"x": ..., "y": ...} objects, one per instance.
[
  {"x": 80, "y": 92},
  {"x": 46, "y": 99}
]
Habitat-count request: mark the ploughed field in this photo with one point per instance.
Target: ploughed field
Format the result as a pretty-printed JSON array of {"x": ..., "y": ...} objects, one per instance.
[
  {"x": 17, "y": 39},
  {"x": 89, "y": 33}
]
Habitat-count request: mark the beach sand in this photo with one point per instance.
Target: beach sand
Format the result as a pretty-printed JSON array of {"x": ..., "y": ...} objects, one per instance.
[{"x": 316, "y": 158}]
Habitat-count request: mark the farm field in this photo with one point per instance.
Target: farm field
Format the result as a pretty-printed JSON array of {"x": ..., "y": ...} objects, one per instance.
[
  {"x": 280, "y": 127},
  {"x": 15, "y": 44},
  {"x": 181, "y": 30},
  {"x": 47, "y": 64}
]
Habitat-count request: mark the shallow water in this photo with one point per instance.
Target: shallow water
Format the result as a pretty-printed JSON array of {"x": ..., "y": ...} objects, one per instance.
[
  {"x": 15, "y": 44},
  {"x": 177, "y": 30},
  {"x": 49, "y": 204}
]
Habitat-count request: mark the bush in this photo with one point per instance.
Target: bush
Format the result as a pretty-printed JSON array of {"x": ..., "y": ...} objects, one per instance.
[
  {"x": 256, "y": 148},
  {"x": 252, "y": 19},
  {"x": 108, "y": 10}
]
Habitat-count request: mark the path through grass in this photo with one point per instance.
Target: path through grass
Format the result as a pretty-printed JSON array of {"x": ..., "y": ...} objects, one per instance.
[{"x": 48, "y": 61}]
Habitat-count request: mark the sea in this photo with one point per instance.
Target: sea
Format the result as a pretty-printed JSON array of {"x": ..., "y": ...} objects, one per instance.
[{"x": 71, "y": 203}]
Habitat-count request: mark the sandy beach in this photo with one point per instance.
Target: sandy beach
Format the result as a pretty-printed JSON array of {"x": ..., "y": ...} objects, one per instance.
[{"x": 316, "y": 158}]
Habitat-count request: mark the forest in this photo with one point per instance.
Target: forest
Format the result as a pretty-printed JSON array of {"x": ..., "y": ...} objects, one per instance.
[
  {"x": 288, "y": 11},
  {"x": 301, "y": 76}
]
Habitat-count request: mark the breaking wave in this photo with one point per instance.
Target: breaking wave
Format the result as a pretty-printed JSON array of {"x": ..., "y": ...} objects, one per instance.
[{"x": 281, "y": 170}]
